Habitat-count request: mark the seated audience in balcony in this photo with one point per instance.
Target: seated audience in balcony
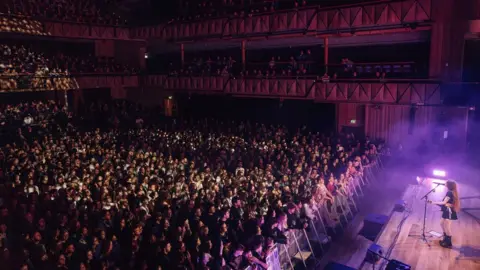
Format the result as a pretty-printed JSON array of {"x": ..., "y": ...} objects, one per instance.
[
  {"x": 23, "y": 67},
  {"x": 195, "y": 10},
  {"x": 200, "y": 9},
  {"x": 23, "y": 26},
  {"x": 221, "y": 66},
  {"x": 286, "y": 62},
  {"x": 195, "y": 195},
  {"x": 81, "y": 11},
  {"x": 299, "y": 63}
]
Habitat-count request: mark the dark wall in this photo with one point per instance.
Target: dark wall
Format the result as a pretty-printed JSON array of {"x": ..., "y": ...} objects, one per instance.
[
  {"x": 29, "y": 96},
  {"x": 160, "y": 63},
  {"x": 293, "y": 113},
  {"x": 52, "y": 47},
  {"x": 471, "y": 91},
  {"x": 90, "y": 96},
  {"x": 471, "y": 70},
  {"x": 81, "y": 99},
  {"x": 471, "y": 60}
]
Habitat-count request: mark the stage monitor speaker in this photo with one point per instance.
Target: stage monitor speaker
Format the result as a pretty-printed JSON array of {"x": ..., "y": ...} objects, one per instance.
[
  {"x": 372, "y": 226},
  {"x": 337, "y": 266},
  {"x": 374, "y": 254},
  {"x": 400, "y": 206},
  {"x": 396, "y": 265}
]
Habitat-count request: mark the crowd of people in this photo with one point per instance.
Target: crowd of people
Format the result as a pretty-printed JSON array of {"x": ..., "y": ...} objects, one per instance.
[
  {"x": 201, "y": 9},
  {"x": 89, "y": 64},
  {"x": 26, "y": 68},
  {"x": 190, "y": 195},
  {"x": 22, "y": 68},
  {"x": 194, "y": 10},
  {"x": 81, "y": 11},
  {"x": 211, "y": 66},
  {"x": 106, "y": 12},
  {"x": 23, "y": 26},
  {"x": 300, "y": 63}
]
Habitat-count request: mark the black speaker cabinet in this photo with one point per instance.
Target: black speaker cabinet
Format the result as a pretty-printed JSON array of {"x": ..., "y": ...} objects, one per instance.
[{"x": 372, "y": 226}]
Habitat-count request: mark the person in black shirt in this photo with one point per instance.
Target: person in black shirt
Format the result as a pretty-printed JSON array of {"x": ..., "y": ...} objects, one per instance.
[
  {"x": 450, "y": 206},
  {"x": 258, "y": 257},
  {"x": 293, "y": 219},
  {"x": 164, "y": 259},
  {"x": 236, "y": 210},
  {"x": 270, "y": 229},
  {"x": 235, "y": 259}
]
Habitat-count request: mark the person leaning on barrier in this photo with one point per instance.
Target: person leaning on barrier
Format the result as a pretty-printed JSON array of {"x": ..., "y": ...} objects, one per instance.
[
  {"x": 235, "y": 259},
  {"x": 270, "y": 229},
  {"x": 294, "y": 220},
  {"x": 258, "y": 255}
]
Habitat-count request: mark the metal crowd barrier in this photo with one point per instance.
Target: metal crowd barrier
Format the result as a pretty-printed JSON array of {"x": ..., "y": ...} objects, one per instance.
[{"x": 302, "y": 245}]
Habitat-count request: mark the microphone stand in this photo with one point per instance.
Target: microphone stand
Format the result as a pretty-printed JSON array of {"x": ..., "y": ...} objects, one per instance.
[{"x": 423, "y": 236}]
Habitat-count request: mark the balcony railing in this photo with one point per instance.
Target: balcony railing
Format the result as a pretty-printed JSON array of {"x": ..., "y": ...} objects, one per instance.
[
  {"x": 388, "y": 15},
  {"x": 316, "y": 88},
  {"x": 388, "y": 91}
]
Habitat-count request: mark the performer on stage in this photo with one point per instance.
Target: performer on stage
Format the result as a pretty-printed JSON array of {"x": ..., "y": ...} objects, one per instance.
[{"x": 450, "y": 206}]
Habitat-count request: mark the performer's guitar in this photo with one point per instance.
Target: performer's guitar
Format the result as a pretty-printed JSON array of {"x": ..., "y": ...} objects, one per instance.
[{"x": 443, "y": 207}]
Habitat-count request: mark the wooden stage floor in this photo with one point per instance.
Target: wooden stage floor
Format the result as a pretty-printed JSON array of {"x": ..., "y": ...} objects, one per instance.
[{"x": 396, "y": 238}]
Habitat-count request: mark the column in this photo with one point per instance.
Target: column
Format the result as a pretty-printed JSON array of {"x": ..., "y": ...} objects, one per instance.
[
  {"x": 244, "y": 54},
  {"x": 325, "y": 53},
  {"x": 182, "y": 54},
  {"x": 168, "y": 106},
  {"x": 448, "y": 39}
]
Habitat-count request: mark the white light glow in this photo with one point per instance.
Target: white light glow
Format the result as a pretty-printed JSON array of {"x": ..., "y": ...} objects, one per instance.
[{"x": 439, "y": 173}]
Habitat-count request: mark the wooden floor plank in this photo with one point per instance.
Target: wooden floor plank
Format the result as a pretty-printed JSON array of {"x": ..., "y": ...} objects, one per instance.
[
  {"x": 413, "y": 251},
  {"x": 464, "y": 255}
]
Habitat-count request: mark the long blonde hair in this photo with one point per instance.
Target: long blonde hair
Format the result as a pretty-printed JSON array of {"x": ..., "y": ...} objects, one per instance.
[{"x": 452, "y": 186}]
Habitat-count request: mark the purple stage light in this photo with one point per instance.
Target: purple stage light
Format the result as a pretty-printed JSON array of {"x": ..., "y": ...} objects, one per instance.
[{"x": 439, "y": 173}]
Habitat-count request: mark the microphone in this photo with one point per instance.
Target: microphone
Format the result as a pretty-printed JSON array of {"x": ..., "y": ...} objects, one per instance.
[{"x": 440, "y": 184}]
